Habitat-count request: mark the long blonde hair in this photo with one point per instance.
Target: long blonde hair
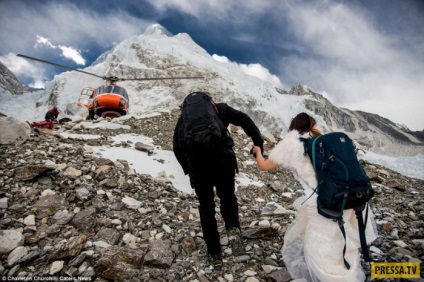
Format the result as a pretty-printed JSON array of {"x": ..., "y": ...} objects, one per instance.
[{"x": 305, "y": 123}]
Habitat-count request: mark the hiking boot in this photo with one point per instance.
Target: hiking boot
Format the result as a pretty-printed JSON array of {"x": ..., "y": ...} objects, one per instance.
[
  {"x": 235, "y": 241},
  {"x": 215, "y": 260}
]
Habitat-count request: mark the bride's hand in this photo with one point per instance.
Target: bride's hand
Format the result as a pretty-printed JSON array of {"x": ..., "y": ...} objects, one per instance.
[{"x": 257, "y": 150}]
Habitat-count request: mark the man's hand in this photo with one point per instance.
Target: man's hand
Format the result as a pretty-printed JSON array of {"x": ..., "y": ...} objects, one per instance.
[
  {"x": 256, "y": 151},
  {"x": 252, "y": 153}
]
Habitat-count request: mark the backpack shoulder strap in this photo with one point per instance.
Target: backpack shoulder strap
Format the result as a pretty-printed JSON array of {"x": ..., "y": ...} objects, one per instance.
[
  {"x": 303, "y": 140},
  {"x": 341, "y": 225},
  {"x": 214, "y": 106},
  {"x": 313, "y": 151},
  {"x": 362, "y": 237},
  {"x": 306, "y": 152},
  {"x": 305, "y": 145},
  {"x": 310, "y": 149}
]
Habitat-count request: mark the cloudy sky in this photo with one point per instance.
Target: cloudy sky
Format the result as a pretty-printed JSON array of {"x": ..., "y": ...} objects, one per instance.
[{"x": 362, "y": 54}]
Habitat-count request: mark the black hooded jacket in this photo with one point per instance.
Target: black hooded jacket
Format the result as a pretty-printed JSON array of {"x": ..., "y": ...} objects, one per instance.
[
  {"x": 227, "y": 115},
  {"x": 51, "y": 115}
]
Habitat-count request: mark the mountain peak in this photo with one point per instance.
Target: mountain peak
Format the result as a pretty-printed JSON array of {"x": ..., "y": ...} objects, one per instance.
[{"x": 157, "y": 29}]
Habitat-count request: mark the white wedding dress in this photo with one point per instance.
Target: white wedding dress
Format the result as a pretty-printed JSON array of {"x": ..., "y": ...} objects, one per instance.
[{"x": 313, "y": 244}]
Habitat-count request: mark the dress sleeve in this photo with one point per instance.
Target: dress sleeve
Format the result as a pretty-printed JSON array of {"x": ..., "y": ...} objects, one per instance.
[{"x": 289, "y": 153}]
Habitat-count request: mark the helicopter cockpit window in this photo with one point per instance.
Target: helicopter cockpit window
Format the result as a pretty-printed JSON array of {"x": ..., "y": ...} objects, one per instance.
[
  {"x": 121, "y": 91},
  {"x": 87, "y": 92},
  {"x": 105, "y": 89},
  {"x": 113, "y": 89},
  {"x": 86, "y": 96}
]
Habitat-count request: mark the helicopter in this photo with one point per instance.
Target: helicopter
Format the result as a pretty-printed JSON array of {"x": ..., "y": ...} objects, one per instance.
[{"x": 109, "y": 100}]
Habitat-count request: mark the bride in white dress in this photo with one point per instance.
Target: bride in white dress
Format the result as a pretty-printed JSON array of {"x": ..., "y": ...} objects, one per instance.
[{"x": 313, "y": 244}]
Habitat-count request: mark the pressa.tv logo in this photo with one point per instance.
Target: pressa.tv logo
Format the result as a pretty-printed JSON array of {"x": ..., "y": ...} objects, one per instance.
[{"x": 395, "y": 269}]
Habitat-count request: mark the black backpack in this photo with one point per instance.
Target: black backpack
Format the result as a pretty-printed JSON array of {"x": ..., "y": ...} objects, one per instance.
[
  {"x": 202, "y": 127},
  {"x": 342, "y": 181}
]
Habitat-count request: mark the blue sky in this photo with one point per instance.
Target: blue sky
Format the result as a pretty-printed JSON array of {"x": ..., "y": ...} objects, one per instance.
[{"x": 362, "y": 54}]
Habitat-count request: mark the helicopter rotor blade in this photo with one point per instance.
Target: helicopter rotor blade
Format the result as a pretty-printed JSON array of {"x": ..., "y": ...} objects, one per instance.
[
  {"x": 62, "y": 66},
  {"x": 111, "y": 79},
  {"x": 163, "y": 78}
]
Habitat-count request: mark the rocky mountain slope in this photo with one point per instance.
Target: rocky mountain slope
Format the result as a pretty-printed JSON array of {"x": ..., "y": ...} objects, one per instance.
[
  {"x": 9, "y": 83},
  {"x": 66, "y": 212},
  {"x": 373, "y": 132}
]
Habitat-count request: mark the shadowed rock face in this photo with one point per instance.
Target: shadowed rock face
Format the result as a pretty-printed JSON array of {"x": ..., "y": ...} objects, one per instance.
[
  {"x": 390, "y": 128},
  {"x": 372, "y": 125},
  {"x": 332, "y": 115},
  {"x": 9, "y": 82}
]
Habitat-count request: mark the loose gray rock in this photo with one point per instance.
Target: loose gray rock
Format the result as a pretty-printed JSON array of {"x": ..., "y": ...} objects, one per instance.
[
  {"x": 10, "y": 239},
  {"x": 13, "y": 131},
  {"x": 84, "y": 221}
]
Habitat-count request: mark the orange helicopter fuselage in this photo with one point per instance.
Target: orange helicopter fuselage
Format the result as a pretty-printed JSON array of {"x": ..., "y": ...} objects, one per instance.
[{"x": 109, "y": 100}]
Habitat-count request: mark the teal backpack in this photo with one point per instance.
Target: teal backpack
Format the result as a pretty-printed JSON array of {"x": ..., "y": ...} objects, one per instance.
[{"x": 342, "y": 181}]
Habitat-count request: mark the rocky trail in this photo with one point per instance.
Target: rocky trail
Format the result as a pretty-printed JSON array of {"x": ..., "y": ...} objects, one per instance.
[{"x": 68, "y": 214}]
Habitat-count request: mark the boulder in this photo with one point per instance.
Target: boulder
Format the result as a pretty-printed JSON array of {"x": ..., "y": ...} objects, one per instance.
[{"x": 13, "y": 131}]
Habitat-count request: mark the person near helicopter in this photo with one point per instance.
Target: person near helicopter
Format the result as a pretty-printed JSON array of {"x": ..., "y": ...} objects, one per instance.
[{"x": 52, "y": 114}]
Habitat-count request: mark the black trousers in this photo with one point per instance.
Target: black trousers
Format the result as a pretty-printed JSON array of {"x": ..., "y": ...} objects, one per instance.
[{"x": 217, "y": 170}]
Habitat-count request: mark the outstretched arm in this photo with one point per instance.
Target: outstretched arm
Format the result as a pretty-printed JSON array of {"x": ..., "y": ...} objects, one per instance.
[
  {"x": 262, "y": 163},
  {"x": 239, "y": 118}
]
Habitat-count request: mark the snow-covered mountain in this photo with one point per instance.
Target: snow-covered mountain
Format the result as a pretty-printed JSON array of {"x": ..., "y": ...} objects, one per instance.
[{"x": 157, "y": 53}]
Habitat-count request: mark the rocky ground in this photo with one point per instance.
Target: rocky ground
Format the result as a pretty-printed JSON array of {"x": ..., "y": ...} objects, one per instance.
[{"x": 65, "y": 212}]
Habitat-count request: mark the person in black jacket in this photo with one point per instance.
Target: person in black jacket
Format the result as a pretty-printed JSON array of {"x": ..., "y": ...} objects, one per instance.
[
  {"x": 52, "y": 114},
  {"x": 216, "y": 168}
]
